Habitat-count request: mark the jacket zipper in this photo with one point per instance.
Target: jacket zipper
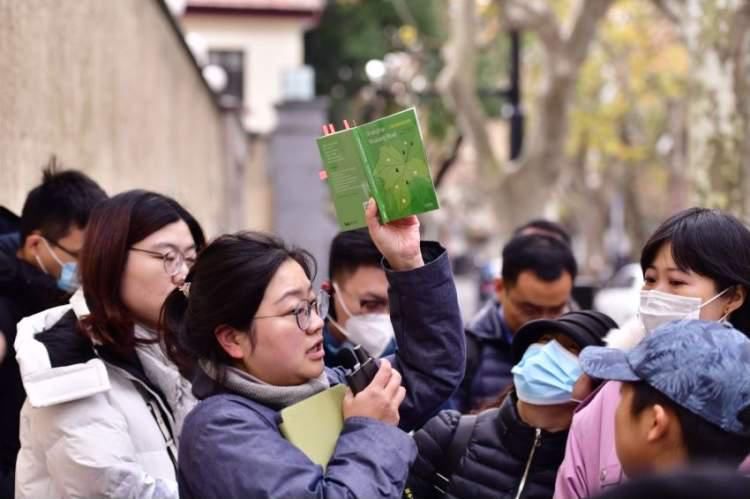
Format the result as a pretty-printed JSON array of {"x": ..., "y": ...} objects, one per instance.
[
  {"x": 537, "y": 443},
  {"x": 165, "y": 427}
]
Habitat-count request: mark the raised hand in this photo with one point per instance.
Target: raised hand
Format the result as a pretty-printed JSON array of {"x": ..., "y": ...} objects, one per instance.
[{"x": 398, "y": 241}]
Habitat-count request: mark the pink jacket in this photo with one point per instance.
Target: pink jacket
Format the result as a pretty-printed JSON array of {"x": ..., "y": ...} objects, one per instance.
[{"x": 591, "y": 463}]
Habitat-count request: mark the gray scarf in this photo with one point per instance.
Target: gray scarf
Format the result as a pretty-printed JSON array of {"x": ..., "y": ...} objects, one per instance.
[
  {"x": 275, "y": 397},
  {"x": 165, "y": 375}
]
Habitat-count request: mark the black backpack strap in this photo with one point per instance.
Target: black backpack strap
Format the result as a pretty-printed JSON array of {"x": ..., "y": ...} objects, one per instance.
[{"x": 456, "y": 450}]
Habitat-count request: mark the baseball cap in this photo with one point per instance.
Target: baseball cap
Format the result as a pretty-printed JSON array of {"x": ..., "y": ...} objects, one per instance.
[
  {"x": 585, "y": 327},
  {"x": 702, "y": 366}
]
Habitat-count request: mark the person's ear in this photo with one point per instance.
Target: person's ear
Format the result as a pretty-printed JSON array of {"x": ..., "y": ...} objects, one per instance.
[
  {"x": 659, "y": 422},
  {"x": 232, "y": 341},
  {"x": 737, "y": 297},
  {"x": 32, "y": 242}
]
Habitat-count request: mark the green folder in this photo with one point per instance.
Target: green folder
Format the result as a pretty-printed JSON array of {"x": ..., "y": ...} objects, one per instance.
[
  {"x": 384, "y": 159},
  {"x": 314, "y": 424}
]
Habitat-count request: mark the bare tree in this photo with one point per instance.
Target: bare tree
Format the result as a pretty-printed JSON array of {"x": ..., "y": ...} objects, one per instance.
[
  {"x": 521, "y": 189},
  {"x": 739, "y": 54},
  {"x": 717, "y": 36}
]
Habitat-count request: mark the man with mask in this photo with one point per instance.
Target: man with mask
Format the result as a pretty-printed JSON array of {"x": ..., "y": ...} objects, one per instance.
[
  {"x": 359, "y": 312},
  {"x": 38, "y": 271}
]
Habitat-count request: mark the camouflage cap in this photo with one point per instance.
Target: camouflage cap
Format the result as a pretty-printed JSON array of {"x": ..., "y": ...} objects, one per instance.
[{"x": 703, "y": 366}]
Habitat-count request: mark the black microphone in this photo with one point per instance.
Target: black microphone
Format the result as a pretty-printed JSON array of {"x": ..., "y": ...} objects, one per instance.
[{"x": 360, "y": 366}]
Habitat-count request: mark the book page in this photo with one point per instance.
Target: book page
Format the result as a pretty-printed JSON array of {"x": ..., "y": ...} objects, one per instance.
[{"x": 346, "y": 178}]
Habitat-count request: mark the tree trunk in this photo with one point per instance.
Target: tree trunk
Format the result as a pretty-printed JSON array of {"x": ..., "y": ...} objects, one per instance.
[{"x": 521, "y": 190}]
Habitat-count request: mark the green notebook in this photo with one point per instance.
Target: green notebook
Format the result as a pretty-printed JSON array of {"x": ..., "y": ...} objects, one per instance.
[
  {"x": 314, "y": 425},
  {"x": 383, "y": 159}
]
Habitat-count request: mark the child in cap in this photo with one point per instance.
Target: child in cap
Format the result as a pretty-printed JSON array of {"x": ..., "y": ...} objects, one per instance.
[
  {"x": 514, "y": 448},
  {"x": 685, "y": 396}
]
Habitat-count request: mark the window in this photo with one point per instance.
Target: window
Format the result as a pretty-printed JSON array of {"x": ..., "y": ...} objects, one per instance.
[{"x": 233, "y": 62}]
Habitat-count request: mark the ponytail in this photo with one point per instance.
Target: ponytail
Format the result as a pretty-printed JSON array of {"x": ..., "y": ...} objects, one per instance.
[{"x": 172, "y": 321}]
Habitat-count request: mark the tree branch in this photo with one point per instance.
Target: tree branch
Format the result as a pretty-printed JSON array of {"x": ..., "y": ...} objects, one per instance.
[
  {"x": 667, "y": 10},
  {"x": 587, "y": 19},
  {"x": 448, "y": 162},
  {"x": 739, "y": 33},
  {"x": 457, "y": 83},
  {"x": 531, "y": 15},
  {"x": 737, "y": 52}
]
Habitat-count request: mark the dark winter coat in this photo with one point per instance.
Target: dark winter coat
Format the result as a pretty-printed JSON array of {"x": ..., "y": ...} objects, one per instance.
[
  {"x": 231, "y": 446},
  {"x": 24, "y": 290},
  {"x": 489, "y": 360},
  {"x": 495, "y": 461}
]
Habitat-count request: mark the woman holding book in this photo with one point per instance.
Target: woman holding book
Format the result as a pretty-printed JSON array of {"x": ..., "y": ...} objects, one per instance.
[{"x": 253, "y": 322}]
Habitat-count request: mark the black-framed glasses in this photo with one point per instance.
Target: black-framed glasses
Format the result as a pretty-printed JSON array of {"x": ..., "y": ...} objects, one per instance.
[
  {"x": 172, "y": 259},
  {"x": 303, "y": 311},
  {"x": 73, "y": 254}
]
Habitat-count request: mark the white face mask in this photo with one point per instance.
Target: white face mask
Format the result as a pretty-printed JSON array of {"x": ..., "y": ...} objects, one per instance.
[
  {"x": 658, "y": 308},
  {"x": 373, "y": 331}
]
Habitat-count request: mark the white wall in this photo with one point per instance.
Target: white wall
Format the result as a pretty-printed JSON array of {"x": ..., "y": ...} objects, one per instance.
[{"x": 272, "y": 46}]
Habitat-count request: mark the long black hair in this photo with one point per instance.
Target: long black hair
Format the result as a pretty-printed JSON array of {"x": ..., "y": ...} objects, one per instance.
[
  {"x": 711, "y": 243},
  {"x": 224, "y": 287}
]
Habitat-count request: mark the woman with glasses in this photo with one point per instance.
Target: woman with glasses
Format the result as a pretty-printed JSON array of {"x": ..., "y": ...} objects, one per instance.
[
  {"x": 255, "y": 324},
  {"x": 104, "y": 403}
]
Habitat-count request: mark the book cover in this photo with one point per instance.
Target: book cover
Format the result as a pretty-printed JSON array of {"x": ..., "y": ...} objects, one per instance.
[
  {"x": 314, "y": 424},
  {"x": 384, "y": 159}
]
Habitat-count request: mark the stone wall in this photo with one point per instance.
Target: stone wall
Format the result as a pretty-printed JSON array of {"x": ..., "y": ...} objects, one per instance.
[{"x": 111, "y": 88}]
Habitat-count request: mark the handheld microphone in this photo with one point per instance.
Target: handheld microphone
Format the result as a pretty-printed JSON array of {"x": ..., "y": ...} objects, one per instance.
[{"x": 360, "y": 366}]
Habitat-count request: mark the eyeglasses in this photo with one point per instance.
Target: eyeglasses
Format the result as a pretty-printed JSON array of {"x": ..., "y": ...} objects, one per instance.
[
  {"x": 70, "y": 253},
  {"x": 303, "y": 311},
  {"x": 172, "y": 259}
]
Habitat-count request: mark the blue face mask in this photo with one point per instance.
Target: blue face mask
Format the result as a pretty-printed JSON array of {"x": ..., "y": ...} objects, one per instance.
[
  {"x": 546, "y": 374},
  {"x": 68, "y": 280}
]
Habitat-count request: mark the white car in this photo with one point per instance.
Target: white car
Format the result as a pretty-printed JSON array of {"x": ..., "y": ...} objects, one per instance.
[{"x": 620, "y": 297}]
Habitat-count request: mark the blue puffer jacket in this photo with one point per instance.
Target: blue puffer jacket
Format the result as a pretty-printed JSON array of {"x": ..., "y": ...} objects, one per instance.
[
  {"x": 489, "y": 359},
  {"x": 231, "y": 446}
]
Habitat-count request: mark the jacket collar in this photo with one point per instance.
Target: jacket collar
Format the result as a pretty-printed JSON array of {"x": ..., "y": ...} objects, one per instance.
[
  {"x": 489, "y": 324},
  {"x": 518, "y": 437},
  {"x": 50, "y": 344},
  {"x": 10, "y": 242},
  {"x": 27, "y": 284}
]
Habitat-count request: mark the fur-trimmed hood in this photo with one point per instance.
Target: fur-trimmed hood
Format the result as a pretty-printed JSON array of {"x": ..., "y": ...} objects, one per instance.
[{"x": 626, "y": 336}]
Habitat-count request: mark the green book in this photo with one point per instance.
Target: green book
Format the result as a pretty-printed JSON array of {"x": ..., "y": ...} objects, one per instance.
[
  {"x": 384, "y": 159},
  {"x": 314, "y": 424}
]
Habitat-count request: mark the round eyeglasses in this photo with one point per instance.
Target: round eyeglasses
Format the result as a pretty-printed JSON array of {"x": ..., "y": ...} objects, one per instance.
[
  {"x": 172, "y": 259},
  {"x": 303, "y": 311}
]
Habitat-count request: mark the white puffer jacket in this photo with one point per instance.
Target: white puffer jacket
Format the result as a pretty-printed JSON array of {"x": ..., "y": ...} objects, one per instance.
[{"x": 88, "y": 427}]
